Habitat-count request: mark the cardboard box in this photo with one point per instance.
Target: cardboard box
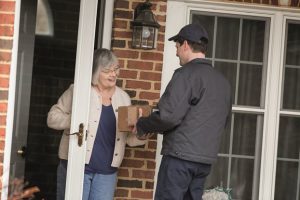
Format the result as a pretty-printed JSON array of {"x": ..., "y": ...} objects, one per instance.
[{"x": 128, "y": 115}]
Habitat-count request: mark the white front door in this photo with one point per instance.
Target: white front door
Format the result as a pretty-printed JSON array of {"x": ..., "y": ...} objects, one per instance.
[{"x": 80, "y": 107}]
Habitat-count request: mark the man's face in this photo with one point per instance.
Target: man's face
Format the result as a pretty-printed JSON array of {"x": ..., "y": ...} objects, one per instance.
[{"x": 180, "y": 53}]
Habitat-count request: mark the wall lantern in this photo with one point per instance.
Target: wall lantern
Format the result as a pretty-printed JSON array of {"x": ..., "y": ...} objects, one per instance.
[{"x": 145, "y": 27}]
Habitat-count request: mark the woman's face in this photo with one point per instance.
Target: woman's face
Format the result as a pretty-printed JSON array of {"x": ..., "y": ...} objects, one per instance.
[{"x": 108, "y": 76}]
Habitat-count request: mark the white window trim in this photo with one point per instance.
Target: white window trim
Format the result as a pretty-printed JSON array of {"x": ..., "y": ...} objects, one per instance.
[{"x": 179, "y": 10}]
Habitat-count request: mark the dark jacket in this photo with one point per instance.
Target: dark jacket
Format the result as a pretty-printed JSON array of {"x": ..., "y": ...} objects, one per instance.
[{"x": 192, "y": 113}]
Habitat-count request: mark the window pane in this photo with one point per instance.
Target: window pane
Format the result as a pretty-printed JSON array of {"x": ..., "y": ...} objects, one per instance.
[
  {"x": 244, "y": 134},
  {"x": 218, "y": 175},
  {"x": 286, "y": 180},
  {"x": 242, "y": 178},
  {"x": 293, "y": 44},
  {"x": 229, "y": 70},
  {"x": 227, "y": 38},
  {"x": 208, "y": 23},
  {"x": 289, "y": 138},
  {"x": 291, "y": 90},
  {"x": 253, "y": 40},
  {"x": 250, "y": 79}
]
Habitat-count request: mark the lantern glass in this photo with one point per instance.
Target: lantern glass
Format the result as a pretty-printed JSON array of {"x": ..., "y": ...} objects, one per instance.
[{"x": 144, "y": 37}]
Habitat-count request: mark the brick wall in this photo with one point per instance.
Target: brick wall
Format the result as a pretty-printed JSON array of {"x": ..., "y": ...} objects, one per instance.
[
  {"x": 141, "y": 78},
  {"x": 7, "y": 8}
]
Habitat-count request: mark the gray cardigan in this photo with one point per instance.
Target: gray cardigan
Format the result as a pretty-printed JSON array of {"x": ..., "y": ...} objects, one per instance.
[{"x": 59, "y": 118}]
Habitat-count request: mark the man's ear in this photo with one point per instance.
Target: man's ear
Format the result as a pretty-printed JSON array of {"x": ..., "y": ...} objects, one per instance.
[{"x": 185, "y": 45}]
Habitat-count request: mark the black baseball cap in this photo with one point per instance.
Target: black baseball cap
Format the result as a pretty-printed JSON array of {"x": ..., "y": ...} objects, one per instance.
[{"x": 192, "y": 32}]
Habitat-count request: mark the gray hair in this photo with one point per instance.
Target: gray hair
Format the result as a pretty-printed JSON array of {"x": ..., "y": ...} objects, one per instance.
[{"x": 103, "y": 58}]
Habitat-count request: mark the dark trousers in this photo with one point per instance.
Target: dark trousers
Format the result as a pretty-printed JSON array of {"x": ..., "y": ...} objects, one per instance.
[{"x": 180, "y": 179}]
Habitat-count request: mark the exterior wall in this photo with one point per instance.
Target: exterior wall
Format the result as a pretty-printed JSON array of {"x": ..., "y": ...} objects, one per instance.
[
  {"x": 7, "y": 9},
  {"x": 141, "y": 78}
]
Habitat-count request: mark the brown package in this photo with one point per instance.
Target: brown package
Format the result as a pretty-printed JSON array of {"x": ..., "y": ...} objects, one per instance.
[{"x": 128, "y": 115}]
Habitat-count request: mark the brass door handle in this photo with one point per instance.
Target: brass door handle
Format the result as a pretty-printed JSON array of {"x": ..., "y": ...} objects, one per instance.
[{"x": 79, "y": 134}]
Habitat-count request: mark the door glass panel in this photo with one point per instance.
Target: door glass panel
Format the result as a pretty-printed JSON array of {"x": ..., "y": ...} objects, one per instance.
[
  {"x": 291, "y": 89},
  {"x": 287, "y": 184}
]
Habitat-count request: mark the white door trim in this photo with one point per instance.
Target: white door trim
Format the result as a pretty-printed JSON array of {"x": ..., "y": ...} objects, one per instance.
[{"x": 11, "y": 103}]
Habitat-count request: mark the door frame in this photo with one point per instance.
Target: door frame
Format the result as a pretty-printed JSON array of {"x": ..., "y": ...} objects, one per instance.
[
  {"x": 180, "y": 9},
  {"x": 86, "y": 51}
]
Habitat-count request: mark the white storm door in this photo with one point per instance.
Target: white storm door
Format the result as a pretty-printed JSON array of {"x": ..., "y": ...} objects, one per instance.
[{"x": 80, "y": 107}]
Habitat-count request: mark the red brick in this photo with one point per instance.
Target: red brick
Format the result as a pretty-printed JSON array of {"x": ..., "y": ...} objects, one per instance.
[
  {"x": 123, "y": 172},
  {"x": 149, "y": 95},
  {"x": 122, "y": 4},
  {"x": 120, "y": 24},
  {"x": 7, "y": 6},
  {"x": 126, "y": 54},
  {"x": 7, "y": 18},
  {"x": 136, "y": 64},
  {"x": 122, "y": 34},
  {"x": 152, "y": 144},
  {"x": 144, "y": 154},
  {"x": 141, "y": 194},
  {"x": 4, "y": 69},
  {"x": 149, "y": 185},
  {"x": 158, "y": 67},
  {"x": 2, "y": 132},
  {"x": 163, "y": 8},
  {"x": 3, "y": 107},
  {"x": 6, "y": 30},
  {"x": 157, "y": 86},
  {"x": 6, "y": 44},
  {"x": 128, "y": 153},
  {"x": 128, "y": 74},
  {"x": 133, "y": 163},
  {"x": 150, "y": 164},
  {"x": 150, "y": 76},
  {"x": 3, "y": 95},
  {"x": 123, "y": 14},
  {"x": 4, "y": 82},
  {"x": 138, "y": 85},
  {"x": 5, "y": 56},
  {"x": 121, "y": 193},
  {"x": 152, "y": 56},
  {"x": 2, "y": 120}
]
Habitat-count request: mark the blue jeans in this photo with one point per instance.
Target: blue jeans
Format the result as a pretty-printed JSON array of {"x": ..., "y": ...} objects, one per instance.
[
  {"x": 99, "y": 186},
  {"x": 180, "y": 179},
  {"x": 61, "y": 179}
]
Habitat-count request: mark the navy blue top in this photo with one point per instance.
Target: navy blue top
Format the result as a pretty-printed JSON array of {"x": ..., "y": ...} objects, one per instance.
[{"x": 104, "y": 144}]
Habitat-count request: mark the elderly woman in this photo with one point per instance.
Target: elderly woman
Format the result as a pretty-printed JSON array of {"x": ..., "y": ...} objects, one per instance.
[{"x": 105, "y": 144}]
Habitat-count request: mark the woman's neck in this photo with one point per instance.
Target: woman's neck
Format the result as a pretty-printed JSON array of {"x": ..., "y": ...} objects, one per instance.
[{"x": 106, "y": 94}]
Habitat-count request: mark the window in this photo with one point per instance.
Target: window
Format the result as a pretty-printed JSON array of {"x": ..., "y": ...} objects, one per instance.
[
  {"x": 288, "y": 154},
  {"x": 258, "y": 49}
]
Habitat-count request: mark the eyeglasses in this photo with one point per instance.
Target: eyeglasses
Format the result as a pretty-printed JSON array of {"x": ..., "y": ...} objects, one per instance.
[{"x": 116, "y": 70}]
